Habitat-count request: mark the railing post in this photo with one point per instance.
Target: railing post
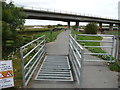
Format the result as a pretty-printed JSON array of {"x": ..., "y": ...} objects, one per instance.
[
  {"x": 75, "y": 37},
  {"x": 113, "y": 39},
  {"x": 22, "y": 64},
  {"x": 82, "y": 58},
  {"x": 45, "y": 43}
]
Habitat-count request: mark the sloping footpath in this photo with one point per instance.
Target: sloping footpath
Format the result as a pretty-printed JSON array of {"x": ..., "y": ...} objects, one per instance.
[
  {"x": 55, "y": 48},
  {"x": 95, "y": 74}
]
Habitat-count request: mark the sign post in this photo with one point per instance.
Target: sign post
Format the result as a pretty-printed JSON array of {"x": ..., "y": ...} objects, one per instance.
[{"x": 6, "y": 74}]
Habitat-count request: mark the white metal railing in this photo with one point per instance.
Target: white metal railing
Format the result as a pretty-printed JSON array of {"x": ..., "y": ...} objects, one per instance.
[
  {"x": 76, "y": 57},
  {"x": 65, "y": 12},
  {"x": 31, "y": 55},
  {"x": 109, "y": 55}
]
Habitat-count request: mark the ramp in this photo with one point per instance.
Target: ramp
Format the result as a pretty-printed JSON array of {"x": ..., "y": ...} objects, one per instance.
[{"x": 55, "y": 68}]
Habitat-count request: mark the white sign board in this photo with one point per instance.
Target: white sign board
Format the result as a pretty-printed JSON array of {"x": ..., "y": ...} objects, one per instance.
[{"x": 6, "y": 74}]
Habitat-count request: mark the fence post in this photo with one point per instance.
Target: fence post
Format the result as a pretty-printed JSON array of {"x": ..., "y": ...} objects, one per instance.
[
  {"x": 22, "y": 64},
  {"x": 116, "y": 48},
  {"x": 82, "y": 58},
  {"x": 45, "y": 43},
  {"x": 113, "y": 40},
  {"x": 51, "y": 35}
]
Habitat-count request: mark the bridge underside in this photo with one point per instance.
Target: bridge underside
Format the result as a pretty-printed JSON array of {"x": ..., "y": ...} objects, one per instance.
[
  {"x": 57, "y": 19},
  {"x": 46, "y": 15}
]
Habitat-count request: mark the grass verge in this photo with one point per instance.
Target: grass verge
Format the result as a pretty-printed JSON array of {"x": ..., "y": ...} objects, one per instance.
[
  {"x": 114, "y": 67},
  {"x": 93, "y": 50},
  {"x": 113, "y": 32}
]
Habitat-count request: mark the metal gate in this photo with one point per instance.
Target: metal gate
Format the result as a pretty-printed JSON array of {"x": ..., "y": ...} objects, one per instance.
[{"x": 106, "y": 57}]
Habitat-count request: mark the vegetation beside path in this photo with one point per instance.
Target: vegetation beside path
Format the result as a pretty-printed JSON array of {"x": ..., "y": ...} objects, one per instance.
[
  {"x": 15, "y": 55},
  {"x": 114, "y": 66}
]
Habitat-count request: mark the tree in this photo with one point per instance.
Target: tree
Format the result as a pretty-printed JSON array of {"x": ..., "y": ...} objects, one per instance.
[
  {"x": 91, "y": 28},
  {"x": 49, "y": 26},
  {"x": 58, "y": 25},
  {"x": 13, "y": 18},
  {"x": 73, "y": 27}
]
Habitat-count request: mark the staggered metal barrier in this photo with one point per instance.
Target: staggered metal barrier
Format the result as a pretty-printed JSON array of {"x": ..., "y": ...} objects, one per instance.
[
  {"x": 76, "y": 53},
  {"x": 109, "y": 56},
  {"x": 31, "y": 55}
]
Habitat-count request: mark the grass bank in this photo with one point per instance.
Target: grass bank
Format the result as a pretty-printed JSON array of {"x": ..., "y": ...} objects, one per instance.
[
  {"x": 113, "y": 32},
  {"x": 93, "y": 50},
  {"x": 49, "y": 37}
]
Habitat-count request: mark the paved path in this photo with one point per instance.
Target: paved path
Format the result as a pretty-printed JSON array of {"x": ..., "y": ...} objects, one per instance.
[
  {"x": 98, "y": 75},
  {"x": 60, "y": 45},
  {"x": 95, "y": 74}
]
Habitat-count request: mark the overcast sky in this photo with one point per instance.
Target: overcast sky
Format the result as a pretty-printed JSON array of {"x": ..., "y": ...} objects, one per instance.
[{"x": 104, "y": 8}]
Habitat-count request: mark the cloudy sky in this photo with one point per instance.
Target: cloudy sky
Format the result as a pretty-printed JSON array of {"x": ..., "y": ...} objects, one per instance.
[{"x": 104, "y": 8}]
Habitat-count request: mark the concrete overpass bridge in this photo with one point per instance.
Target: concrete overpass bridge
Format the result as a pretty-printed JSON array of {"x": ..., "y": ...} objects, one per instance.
[{"x": 69, "y": 17}]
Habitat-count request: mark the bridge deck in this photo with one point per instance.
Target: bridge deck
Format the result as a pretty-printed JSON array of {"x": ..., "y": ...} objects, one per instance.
[{"x": 55, "y": 68}]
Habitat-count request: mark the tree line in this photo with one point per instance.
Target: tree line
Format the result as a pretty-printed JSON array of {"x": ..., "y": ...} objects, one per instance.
[{"x": 12, "y": 19}]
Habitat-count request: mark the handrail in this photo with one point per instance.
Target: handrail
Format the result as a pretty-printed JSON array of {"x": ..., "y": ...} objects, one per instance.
[
  {"x": 32, "y": 41},
  {"x": 32, "y": 62},
  {"x": 76, "y": 53},
  {"x": 76, "y": 42}
]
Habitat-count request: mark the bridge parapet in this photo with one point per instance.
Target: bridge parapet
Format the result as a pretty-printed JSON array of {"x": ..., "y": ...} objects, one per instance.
[{"x": 64, "y": 12}]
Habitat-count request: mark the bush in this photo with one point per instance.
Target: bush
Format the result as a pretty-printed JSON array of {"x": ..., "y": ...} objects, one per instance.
[{"x": 91, "y": 28}]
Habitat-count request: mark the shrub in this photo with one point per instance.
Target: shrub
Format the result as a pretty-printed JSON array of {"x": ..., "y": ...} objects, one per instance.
[{"x": 91, "y": 28}]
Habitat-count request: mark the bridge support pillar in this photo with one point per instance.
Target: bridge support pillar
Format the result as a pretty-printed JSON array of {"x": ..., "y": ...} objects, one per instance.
[
  {"x": 100, "y": 25},
  {"x": 111, "y": 27},
  {"x": 77, "y": 26},
  {"x": 118, "y": 26},
  {"x": 68, "y": 26}
]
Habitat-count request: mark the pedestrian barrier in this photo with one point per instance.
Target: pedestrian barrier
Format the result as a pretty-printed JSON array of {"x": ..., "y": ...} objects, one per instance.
[
  {"x": 76, "y": 53},
  {"x": 109, "y": 56},
  {"x": 53, "y": 68},
  {"x": 31, "y": 55}
]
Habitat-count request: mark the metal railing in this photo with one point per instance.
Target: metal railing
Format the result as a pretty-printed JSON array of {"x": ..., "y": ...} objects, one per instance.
[
  {"x": 108, "y": 56},
  {"x": 31, "y": 55},
  {"x": 65, "y": 12},
  {"x": 76, "y": 53}
]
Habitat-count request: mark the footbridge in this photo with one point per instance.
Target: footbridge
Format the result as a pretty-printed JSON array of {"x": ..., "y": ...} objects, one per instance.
[
  {"x": 52, "y": 67},
  {"x": 60, "y": 69}
]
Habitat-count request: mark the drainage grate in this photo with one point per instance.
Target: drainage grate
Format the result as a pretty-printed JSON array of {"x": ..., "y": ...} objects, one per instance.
[{"x": 55, "y": 68}]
